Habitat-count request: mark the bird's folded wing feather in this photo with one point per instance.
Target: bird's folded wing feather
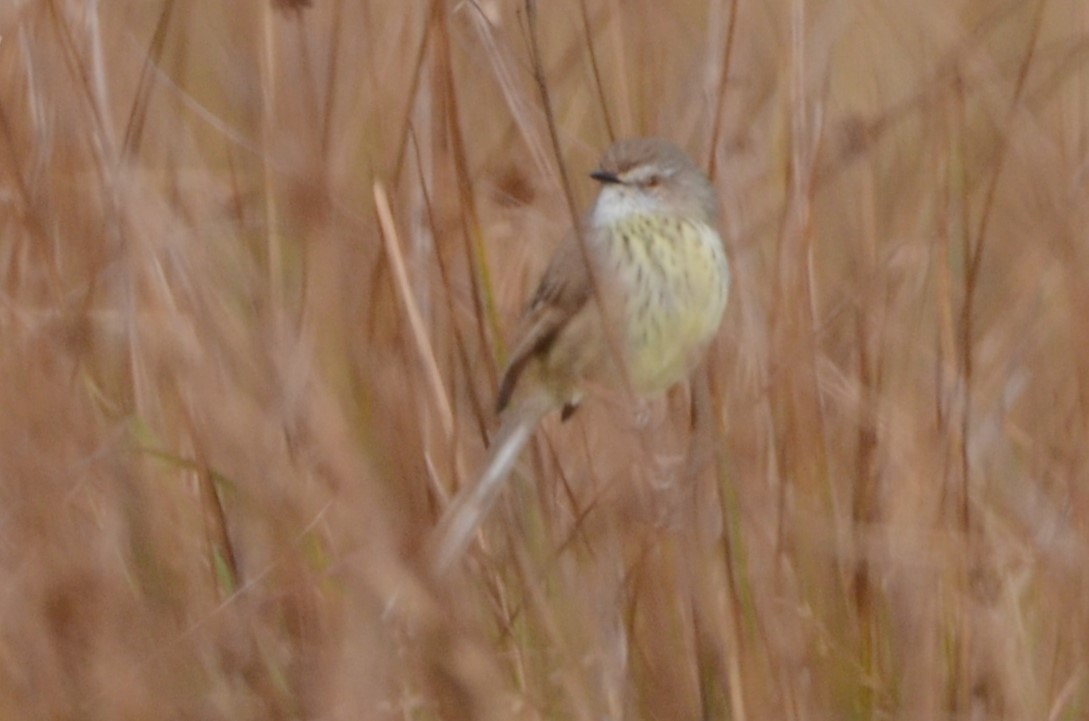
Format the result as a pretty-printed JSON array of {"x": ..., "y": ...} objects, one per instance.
[{"x": 564, "y": 289}]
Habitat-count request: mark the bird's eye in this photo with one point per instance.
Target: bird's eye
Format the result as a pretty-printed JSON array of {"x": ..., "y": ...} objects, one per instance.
[{"x": 652, "y": 181}]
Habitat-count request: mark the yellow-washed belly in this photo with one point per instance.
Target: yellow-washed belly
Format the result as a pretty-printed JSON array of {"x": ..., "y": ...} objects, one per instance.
[{"x": 672, "y": 282}]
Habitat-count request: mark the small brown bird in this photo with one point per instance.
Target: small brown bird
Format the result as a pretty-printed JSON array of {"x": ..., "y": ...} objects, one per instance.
[{"x": 637, "y": 317}]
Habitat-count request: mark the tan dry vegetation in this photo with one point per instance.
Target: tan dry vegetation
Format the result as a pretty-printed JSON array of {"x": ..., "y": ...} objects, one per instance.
[{"x": 228, "y": 426}]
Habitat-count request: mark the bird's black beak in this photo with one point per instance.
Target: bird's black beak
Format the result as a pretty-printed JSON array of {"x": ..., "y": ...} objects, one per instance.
[{"x": 604, "y": 176}]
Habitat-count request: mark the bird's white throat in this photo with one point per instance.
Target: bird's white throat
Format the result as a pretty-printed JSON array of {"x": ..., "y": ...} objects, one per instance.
[{"x": 618, "y": 202}]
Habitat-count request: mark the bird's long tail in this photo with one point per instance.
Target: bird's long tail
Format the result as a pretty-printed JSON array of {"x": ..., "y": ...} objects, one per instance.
[{"x": 468, "y": 509}]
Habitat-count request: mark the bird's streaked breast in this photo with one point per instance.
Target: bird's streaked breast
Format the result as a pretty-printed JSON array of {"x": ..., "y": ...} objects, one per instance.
[{"x": 671, "y": 280}]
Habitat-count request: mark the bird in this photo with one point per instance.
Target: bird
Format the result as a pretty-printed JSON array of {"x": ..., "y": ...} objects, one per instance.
[{"x": 630, "y": 302}]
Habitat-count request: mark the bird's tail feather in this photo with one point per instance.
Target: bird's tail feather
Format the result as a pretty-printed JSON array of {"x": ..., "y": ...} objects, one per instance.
[{"x": 467, "y": 511}]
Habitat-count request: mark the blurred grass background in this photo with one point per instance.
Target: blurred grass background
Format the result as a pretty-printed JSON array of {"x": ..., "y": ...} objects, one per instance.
[{"x": 228, "y": 425}]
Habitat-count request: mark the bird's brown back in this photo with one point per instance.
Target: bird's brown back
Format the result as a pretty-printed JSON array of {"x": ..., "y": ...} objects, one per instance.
[{"x": 563, "y": 291}]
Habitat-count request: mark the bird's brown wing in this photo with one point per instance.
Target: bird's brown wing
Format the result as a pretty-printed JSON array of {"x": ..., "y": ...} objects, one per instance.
[{"x": 563, "y": 290}]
